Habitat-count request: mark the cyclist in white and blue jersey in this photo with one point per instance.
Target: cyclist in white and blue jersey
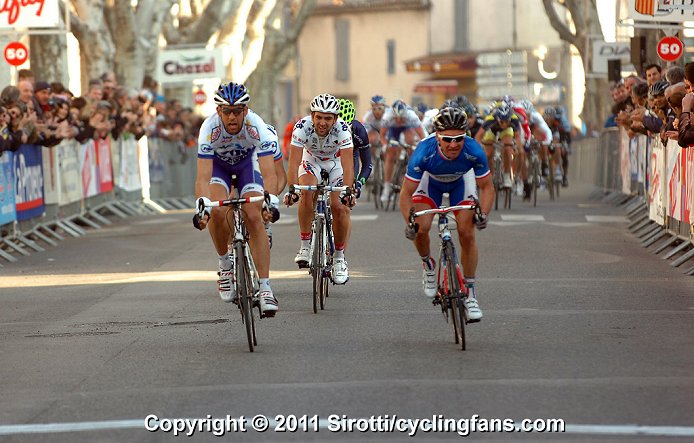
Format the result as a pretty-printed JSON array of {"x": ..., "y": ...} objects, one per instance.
[
  {"x": 437, "y": 167},
  {"x": 400, "y": 119},
  {"x": 362, "y": 147},
  {"x": 235, "y": 142}
]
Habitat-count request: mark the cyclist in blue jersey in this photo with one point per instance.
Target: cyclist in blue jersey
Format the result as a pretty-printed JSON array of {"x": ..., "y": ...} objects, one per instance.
[
  {"x": 362, "y": 147},
  {"x": 437, "y": 167},
  {"x": 236, "y": 142}
]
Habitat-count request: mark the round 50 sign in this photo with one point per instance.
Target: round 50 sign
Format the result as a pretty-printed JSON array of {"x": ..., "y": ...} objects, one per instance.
[
  {"x": 670, "y": 48},
  {"x": 16, "y": 53}
]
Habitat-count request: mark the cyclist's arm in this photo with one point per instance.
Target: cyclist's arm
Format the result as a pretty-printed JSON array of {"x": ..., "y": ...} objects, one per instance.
[
  {"x": 420, "y": 132},
  {"x": 267, "y": 170},
  {"x": 366, "y": 166},
  {"x": 486, "y": 193},
  {"x": 406, "y": 192},
  {"x": 295, "y": 154},
  {"x": 480, "y": 134},
  {"x": 347, "y": 161},
  {"x": 281, "y": 175},
  {"x": 202, "y": 181},
  {"x": 384, "y": 131}
]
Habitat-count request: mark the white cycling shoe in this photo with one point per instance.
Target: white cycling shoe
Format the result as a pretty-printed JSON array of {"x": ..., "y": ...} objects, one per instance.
[
  {"x": 340, "y": 271},
  {"x": 226, "y": 285},
  {"x": 429, "y": 282},
  {"x": 473, "y": 313},
  {"x": 302, "y": 257},
  {"x": 268, "y": 303}
]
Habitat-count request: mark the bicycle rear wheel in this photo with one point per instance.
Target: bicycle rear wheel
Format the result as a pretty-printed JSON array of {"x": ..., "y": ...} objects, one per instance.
[
  {"x": 244, "y": 295},
  {"x": 317, "y": 265}
]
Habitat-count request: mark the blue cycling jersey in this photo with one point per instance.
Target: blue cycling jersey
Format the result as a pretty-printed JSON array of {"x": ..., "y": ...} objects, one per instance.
[{"x": 428, "y": 157}]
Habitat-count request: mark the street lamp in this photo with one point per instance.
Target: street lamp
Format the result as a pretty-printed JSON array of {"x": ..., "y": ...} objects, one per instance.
[{"x": 541, "y": 53}]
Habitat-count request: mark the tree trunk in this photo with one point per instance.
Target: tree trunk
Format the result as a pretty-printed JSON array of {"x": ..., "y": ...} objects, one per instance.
[
  {"x": 48, "y": 55},
  {"x": 96, "y": 44}
]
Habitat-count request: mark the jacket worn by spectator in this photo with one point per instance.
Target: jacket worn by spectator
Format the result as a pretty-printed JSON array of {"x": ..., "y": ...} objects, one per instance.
[{"x": 685, "y": 136}]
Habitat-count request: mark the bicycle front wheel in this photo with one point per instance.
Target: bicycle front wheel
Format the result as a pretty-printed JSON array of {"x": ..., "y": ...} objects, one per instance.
[
  {"x": 317, "y": 265},
  {"x": 455, "y": 295},
  {"x": 244, "y": 294}
]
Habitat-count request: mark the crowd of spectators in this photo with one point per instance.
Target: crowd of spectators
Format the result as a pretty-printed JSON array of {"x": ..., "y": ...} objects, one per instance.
[
  {"x": 42, "y": 113},
  {"x": 652, "y": 104}
]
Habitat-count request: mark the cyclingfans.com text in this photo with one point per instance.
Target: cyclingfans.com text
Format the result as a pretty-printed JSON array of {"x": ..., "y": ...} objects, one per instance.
[{"x": 335, "y": 423}]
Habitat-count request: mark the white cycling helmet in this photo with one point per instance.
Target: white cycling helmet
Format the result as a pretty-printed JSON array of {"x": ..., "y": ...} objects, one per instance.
[{"x": 325, "y": 103}]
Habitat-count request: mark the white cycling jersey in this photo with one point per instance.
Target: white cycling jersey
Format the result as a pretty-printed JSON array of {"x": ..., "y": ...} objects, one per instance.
[
  {"x": 536, "y": 121},
  {"x": 371, "y": 123},
  {"x": 255, "y": 138},
  {"x": 322, "y": 148},
  {"x": 411, "y": 120},
  {"x": 276, "y": 151}
]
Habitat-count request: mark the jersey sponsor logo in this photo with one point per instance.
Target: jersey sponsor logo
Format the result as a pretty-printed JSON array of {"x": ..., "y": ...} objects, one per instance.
[
  {"x": 252, "y": 132},
  {"x": 472, "y": 158},
  {"x": 214, "y": 135},
  {"x": 206, "y": 149}
]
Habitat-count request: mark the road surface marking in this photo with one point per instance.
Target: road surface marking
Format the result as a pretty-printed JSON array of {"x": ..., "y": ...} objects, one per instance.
[
  {"x": 607, "y": 219},
  {"x": 522, "y": 217}
]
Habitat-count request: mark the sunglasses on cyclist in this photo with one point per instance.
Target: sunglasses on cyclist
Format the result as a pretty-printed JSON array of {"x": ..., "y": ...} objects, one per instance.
[
  {"x": 235, "y": 111},
  {"x": 452, "y": 138}
]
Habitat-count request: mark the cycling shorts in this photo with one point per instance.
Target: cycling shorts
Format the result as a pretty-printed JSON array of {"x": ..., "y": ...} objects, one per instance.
[
  {"x": 246, "y": 172},
  {"x": 311, "y": 165},
  {"x": 395, "y": 132},
  {"x": 490, "y": 137},
  {"x": 430, "y": 191}
]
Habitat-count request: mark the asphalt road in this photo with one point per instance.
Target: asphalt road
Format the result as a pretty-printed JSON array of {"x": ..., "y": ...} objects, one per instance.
[{"x": 580, "y": 323}]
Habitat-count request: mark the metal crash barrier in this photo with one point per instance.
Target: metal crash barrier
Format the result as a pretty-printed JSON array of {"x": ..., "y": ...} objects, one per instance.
[
  {"x": 654, "y": 182},
  {"x": 48, "y": 194}
]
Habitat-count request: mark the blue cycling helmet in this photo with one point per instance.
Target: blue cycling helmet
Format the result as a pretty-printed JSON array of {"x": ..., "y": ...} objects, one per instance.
[
  {"x": 550, "y": 112},
  {"x": 450, "y": 104},
  {"x": 471, "y": 110},
  {"x": 231, "y": 94},
  {"x": 503, "y": 113},
  {"x": 399, "y": 108},
  {"x": 378, "y": 100},
  {"x": 422, "y": 107}
]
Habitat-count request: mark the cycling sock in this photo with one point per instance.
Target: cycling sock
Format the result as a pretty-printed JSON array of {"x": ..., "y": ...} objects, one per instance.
[
  {"x": 264, "y": 284},
  {"x": 470, "y": 285},
  {"x": 225, "y": 262},
  {"x": 305, "y": 240},
  {"x": 428, "y": 262},
  {"x": 339, "y": 252}
]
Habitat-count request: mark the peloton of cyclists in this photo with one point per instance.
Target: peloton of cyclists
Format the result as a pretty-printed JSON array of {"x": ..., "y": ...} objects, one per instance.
[
  {"x": 561, "y": 133},
  {"x": 501, "y": 124},
  {"x": 236, "y": 142},
  {"x": 322, "y": 141}
]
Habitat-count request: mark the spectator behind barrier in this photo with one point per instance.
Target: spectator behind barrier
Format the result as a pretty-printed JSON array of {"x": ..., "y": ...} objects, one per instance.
[
  {"x": 685, "y": 131},
  {"x": 674, "y": 74},
  {"x": 654, "y": 73}
]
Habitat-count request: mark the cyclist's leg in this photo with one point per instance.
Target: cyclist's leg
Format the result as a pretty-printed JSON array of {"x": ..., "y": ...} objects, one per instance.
[
  {"x": 391, "y": 155},
  {"x": 565, "y": 164},
  {"x": 426, "y": 197},
  {"x": 489, "y": 151},
  {"x": 220, "y": 189},
  {"x": 309, "y": 171},
  {"x": 250, "y": 183},
  {"x": 468, "y": 248}
]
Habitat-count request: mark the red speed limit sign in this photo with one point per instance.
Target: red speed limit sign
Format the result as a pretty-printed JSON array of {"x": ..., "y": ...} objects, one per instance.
[
  {"x": 16, "y": 53},
  {"x": 670, "y": 48}
]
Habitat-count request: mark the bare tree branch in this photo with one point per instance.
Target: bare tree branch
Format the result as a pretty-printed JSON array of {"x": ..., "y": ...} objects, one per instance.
[
  {"x": 211, "y": 19},
  {"x": 557, "y": 23}
]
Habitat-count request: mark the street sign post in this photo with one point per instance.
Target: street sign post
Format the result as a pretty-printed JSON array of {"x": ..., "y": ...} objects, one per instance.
[
  {"x": 670, "y": 48},
  {"x": 16, "y": 53}
]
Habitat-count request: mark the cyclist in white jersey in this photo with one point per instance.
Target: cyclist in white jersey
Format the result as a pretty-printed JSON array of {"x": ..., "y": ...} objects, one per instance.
[
  {"x": 322, "y": 142},
  {"x": 399, "y": 119},
  {"x": 234, "y": 147},
  {"x": 373, "y": 119}
]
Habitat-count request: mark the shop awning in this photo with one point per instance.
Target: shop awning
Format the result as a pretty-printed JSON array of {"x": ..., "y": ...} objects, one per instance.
[
  {"x": 457, "y": 62},
  {"x": 437, "y": 87}
]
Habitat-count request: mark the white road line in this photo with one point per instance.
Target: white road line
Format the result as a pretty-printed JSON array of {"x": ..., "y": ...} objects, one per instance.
[
  {"x": 586, "y": 429},
  {"x": 522, "y": 217},
  {"x": 607, "y": 219}
]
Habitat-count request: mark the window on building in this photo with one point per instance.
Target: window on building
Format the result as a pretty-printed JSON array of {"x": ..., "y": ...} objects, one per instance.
[
  {"x": 342, "y": 50},
  {"x": 390, "y": 46}
]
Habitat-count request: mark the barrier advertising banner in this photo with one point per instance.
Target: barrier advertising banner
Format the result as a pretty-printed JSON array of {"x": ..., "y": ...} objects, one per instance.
[
  {"x": 70, "y": 171},
  {"x": 688, "y": 184},
  {"x": 674, "y": 181},
  {"x": 51, "y": 176},
  {"x": 88, "y": 171},
  {"x": 28, "y": 182},
  {"x": 656, "y": 180},
  {"x": 625, "y": 161},
  {"x": 103, "y": 162},
  {"x": 128, "y": 177},
  {"x": 7, "y": 196}
]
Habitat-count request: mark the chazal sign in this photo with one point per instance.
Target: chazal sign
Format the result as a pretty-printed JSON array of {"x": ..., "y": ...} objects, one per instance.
[
  {"x": 179, "y": 65},
  {"x": 18, "y": 14}
]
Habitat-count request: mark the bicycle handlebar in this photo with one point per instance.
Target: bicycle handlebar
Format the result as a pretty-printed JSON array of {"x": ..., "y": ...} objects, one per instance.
[
  {"x": 235, "y": 201},
  {"x": 293, "y": 188},
  {"x": 473, "y": 206}
]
